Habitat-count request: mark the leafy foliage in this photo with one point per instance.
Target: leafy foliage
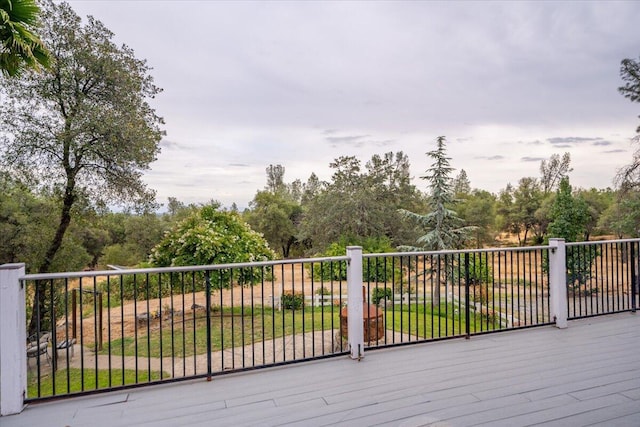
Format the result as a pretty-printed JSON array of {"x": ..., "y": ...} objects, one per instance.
[
  {"x": 552, "y": 171},
  {"x": 361, "y": 202},
  {"x": 379, "y": 294},
  {"x": 275, "y": 213},
  {"x": 210, "y": 236},
  {"x": 568, "y": 214},
  {"x": 478, "y": 210},
  {"x": 292, "y": 300},
  {"x": 628, "y": 177},
  {"x": 378, "y": 269},
  {"x": 569, "y": 217},
  {"x": 630, "y": 74},
  {"x": 83, "y": 127},
  {"x": 20, "y": 46}
]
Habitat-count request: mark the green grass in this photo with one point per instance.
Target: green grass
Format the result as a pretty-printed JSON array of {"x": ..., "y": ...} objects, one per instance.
[
  {"x": 228, "y": 328},
  {"x": 75, "y": 382},
  {"x": 445, "y": 321}
]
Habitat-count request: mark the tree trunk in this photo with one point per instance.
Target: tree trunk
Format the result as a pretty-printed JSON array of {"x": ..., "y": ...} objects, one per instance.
[
  {"x": 435, "y": 296},
  {"x": 40, "y": 311}
]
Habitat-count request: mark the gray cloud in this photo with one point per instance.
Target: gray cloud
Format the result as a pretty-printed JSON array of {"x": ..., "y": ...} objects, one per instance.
[
  {"x": 170, "y": 144},
  {"x": 357, "y": 141},
  {"x": 602, "y": 143},
  {"x": 619, "y": 150},
  {"x": 496, "y": 157},
  {"x": 239, "y": 165},
  {"x": 532, "y": 159},
  {"x": 462, "y": 140},
  {"x": 563, "y": 141},
  {"x": 353, "y": 139}
]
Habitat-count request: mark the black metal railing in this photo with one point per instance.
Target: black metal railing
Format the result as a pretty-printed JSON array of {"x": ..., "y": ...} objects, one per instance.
[
  {"x": 602, "y": 277},
  {"x": 116, "y": 329},
  {"x": 433, "y": 295},
  {"x": 95, "y": 331}
]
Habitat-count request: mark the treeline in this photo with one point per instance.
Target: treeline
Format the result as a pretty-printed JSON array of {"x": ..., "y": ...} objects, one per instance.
[{"x": 360, "y": 204}]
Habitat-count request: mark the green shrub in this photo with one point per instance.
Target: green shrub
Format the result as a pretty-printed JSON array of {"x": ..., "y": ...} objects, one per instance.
[
  {"x": 378, "y": 269},
  {"x": 379, "y": 294},
  {"x": 292, "y": 301},
  {"x": 210, "y": 236},
  {"x": 323, "y": 291}
]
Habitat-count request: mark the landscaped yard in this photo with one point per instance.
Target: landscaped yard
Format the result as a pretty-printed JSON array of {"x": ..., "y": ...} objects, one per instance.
[
  {"x": 229, "y": 328},
  {"x": 236, "y": 328}
]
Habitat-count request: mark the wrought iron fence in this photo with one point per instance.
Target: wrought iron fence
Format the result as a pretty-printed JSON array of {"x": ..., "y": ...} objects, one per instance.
[
  {"x": 114, "y": 329},
  {"x": 602, "y": 277},
  {"x": 433, "y": 295},
  {"x": 95, "y": 331}
]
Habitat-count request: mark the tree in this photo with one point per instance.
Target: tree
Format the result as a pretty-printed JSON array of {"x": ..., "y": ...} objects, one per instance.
[
  {"x": 478, "y": 209},
  {"x": 275, "y": 178},
  {"x": 628, "y": 177},
  {"x": 553, "y": 171},
  {"x": 359, "y": 203},
  {"x": 622, "y": 217},
  {"x": 569, "y": 216},
  {"x": 444, "y": 227},
  {"x": 630, "y": 74},
  {"x": 505, "y": 211},
  {"x": 20, "y": 46},
  {"x": 527, "y": 200},
  {"x": 25, "y": 227},
  {"x": 597, "y": 201},
  {"x": 84, "y": 127},
  {"x": 461, "y": 185},
  {"x": 211, "y": 236},
  {"x": 276, "y": 216}
]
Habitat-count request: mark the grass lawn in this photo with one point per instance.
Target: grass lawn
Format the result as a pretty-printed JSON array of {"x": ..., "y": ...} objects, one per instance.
[
  {"x": 423, "y": 321},
  {"x": 234, "y": 328},
  {"x": 71, "y": 381},
  {"x": 229, "y": 328}
]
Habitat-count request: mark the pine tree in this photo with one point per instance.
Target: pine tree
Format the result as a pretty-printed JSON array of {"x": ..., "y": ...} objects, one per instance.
[{"x": 445, "y": 229}]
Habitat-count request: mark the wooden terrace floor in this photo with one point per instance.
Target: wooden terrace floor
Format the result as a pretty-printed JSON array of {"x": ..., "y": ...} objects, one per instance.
[{"x": 588, "y": 374}]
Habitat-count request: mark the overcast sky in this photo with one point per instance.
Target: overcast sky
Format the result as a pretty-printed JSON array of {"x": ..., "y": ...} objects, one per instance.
[{"x": 248, "y": 84}]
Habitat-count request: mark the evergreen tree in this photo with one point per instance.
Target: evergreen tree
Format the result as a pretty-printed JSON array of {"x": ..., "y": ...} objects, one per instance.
[{"x": 444, "y": 227}]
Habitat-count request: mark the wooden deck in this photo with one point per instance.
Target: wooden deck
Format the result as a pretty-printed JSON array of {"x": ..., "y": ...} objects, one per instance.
[{"x": 588, "y": 374}]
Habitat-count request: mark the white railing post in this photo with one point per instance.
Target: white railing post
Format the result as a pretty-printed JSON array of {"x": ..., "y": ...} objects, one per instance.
[
  {"x": 558, "y": 281},
  {"x": 355, "y": 328},
  {"x": 13, "y": 338}
]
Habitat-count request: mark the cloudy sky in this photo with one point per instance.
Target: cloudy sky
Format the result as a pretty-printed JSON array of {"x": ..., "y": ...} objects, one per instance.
[{"x": 248, "y": 84}]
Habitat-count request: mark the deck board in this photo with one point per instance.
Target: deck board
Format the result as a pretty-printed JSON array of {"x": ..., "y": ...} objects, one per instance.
[{"x": 586, "y": 374}]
